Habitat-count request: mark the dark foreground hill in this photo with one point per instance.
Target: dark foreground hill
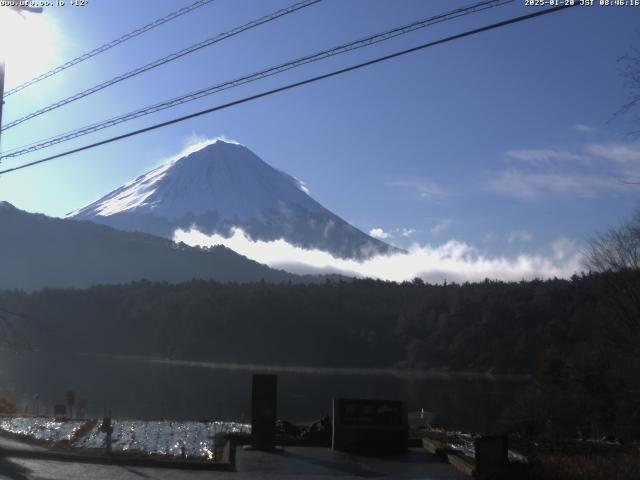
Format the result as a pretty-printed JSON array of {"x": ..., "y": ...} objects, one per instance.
[{"x": 37, "y": 251}]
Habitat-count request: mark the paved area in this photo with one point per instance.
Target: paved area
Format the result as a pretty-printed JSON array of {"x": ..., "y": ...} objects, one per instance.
[
  {"x": 310, "y": 462},
  {"x": 290, "y": 463},
  {"x": 7, "y": 443},
  {"x": 27, "y": 469}
]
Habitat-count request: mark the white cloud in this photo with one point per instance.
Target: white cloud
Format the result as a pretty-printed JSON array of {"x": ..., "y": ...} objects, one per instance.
[
  {"x": 424, "y": 188},
  {"x": 581, "y": 127},
  {"x": 302, "y": 186},
  {"x": 625, "y": 157},
  {"x": 528, "y": 186},
  {"x": 545, "y": 155},
  {"x": 441, "y": 226},
  {"x": 379, "y": 233},
  {"x": 618, "y": 152},
  {"x": 406, "y": 232},
  {"x": 452, "y": 261},
  {"x": 195, "y": 142},
  {"x": 490, "y": 237},
  {"x": 563, "y": 249},
  {"x": 519, "y": 236},
  {"x": 583, "y": 175}
]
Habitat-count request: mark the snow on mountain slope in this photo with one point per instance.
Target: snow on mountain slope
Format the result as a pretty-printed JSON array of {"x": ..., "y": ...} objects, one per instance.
[{"x": 225, "y": 185}]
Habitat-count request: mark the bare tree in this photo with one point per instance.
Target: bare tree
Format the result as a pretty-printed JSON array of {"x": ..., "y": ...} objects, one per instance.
[
  {"x": 616, "y": 254},
  {"x": 630, "y": 71}
]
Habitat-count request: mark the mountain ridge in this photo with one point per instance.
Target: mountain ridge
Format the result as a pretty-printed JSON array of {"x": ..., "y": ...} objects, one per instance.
[{"x": 37, "y": 251}]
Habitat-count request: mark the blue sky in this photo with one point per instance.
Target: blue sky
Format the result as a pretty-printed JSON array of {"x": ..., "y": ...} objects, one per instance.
[{"x": 505, "y": 141}]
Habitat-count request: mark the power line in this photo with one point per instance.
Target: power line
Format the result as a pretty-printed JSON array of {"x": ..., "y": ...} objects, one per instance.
[
  {"x": 295, "y": 85},
  {"x": 321, "y": 55},
  {"x": 290, "y": 86},
  {"x": 164, "y": 60},
  {"x": 110, "y": 45}
]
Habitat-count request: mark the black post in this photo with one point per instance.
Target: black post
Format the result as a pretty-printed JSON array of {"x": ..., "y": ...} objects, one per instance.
[
  {"x": 107, "y": 428},
  {"x": 71, "y": 400},
  {"x": 263, "y": 411}
]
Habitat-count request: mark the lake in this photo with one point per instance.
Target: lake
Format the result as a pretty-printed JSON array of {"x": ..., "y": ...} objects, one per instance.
[{"x": 147, "y": 389}]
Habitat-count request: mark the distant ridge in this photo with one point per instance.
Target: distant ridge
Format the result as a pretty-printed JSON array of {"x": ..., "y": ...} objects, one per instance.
[{"x": 37, "y": 251}]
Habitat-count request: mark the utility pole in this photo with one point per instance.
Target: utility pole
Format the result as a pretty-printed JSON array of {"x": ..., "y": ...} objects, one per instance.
[
  {"x": 20, "y": 10},
  {"x": 1, "y": 95}
]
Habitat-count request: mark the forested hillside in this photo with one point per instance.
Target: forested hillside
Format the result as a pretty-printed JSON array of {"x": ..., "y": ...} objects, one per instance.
[{"x": 490, "y": 326}]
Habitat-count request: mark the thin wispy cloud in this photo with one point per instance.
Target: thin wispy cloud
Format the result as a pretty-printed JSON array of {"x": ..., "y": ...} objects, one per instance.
[
  {"x": 451, "y": 261},
  {"x": 532, "y": 185},
  {"x": 617, "y": 152},
  {"x": 594, "y": 169},
  {"x": 625, "y": 158},
  {"x": 583, "y": 128},
  {"x": 406, "y": 232},
  {"x": 490, "y": 237},
  {"x": 441, "y": 226},
  {"x": 519, "y": 236},
  {"x": 545, "y": 155},
  {"x": 424, "y": 188}
]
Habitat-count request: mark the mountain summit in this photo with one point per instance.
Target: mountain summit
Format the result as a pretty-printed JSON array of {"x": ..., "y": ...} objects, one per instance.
[{"x": 222, "y": 186}]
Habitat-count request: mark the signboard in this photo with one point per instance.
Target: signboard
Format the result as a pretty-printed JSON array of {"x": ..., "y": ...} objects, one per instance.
[
  {"x": 369, "y": 425},
  {"x": 264, "y": 399}
]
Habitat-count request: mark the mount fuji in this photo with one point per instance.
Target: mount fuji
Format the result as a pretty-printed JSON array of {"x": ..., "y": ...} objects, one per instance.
[{"x": 224, "y": 186}]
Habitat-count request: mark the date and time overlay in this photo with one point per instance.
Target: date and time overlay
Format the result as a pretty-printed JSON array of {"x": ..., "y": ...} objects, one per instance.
[
  {"x": 43, "y": 3},
  {"x": 527, "y": 3}
]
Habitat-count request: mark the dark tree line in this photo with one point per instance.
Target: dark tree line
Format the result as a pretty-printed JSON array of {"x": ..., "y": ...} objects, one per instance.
[{"x": 483, "y": 327}]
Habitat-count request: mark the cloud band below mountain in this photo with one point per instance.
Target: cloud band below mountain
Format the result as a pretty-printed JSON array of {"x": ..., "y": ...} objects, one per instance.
[{"x": 451, "y": 261}]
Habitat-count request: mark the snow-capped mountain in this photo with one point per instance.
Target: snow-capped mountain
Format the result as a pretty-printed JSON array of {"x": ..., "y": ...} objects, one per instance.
[{"x": 225, "y": 185}]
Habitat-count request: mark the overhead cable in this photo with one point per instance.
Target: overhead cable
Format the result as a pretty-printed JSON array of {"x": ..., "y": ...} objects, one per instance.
[
  {"x": 292, "y": 86},
  {"x": 162, "y": 61},
  {"x": 110, "y": 45},
  {"x": 270, "y": 71}
]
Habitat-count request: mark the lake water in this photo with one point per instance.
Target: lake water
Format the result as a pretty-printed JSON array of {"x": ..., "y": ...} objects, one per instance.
[{"x": 164, "y": 389}]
